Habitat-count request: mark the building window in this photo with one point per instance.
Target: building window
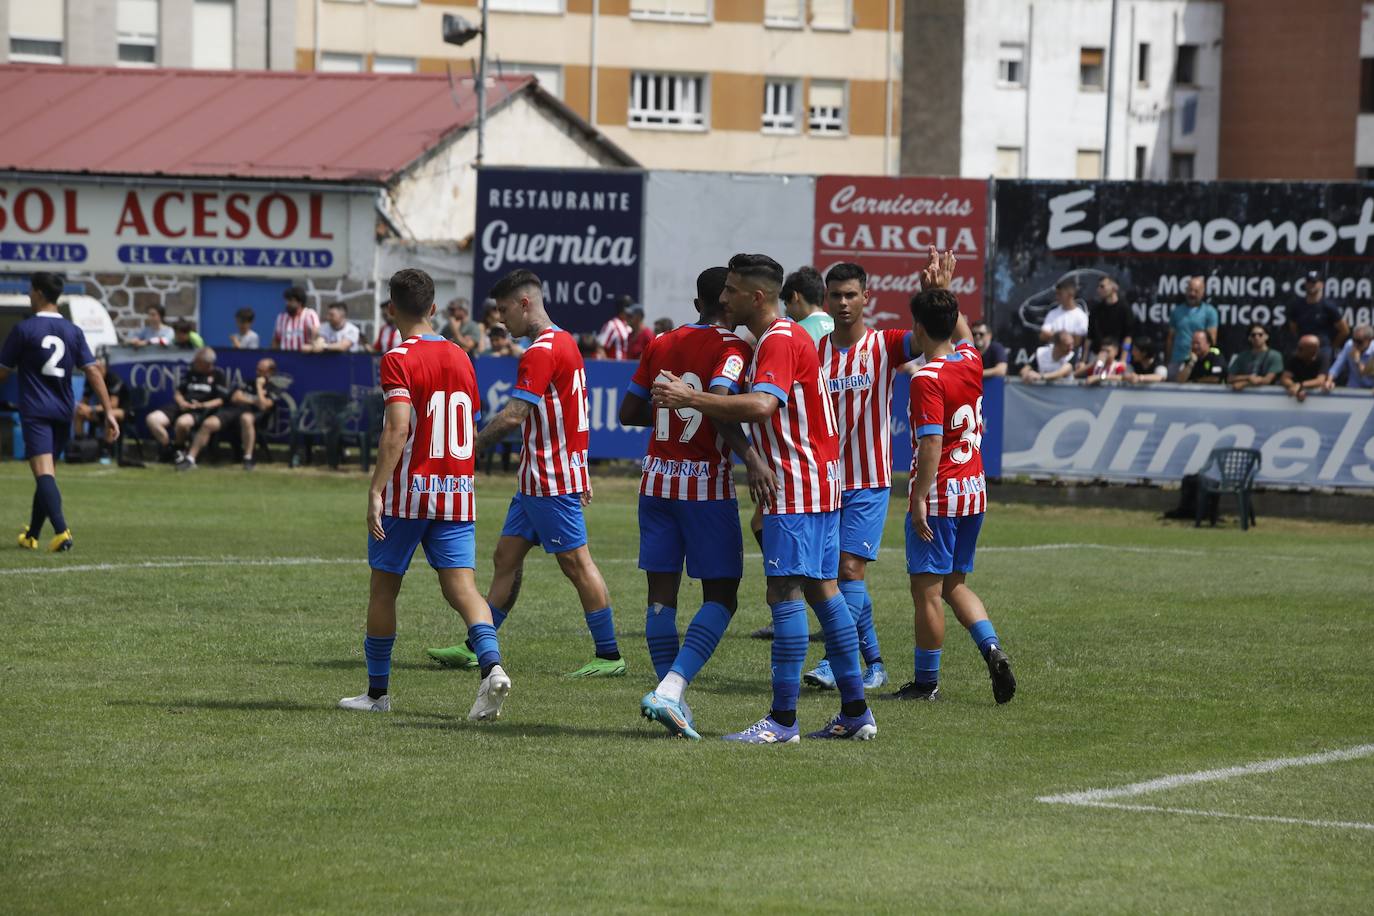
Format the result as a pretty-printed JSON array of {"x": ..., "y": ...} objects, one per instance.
[
  {"x": 1008, "y": 162},
  {"x": 826, "y": 108},
  {"x": 37, "y": 33},
  {"x": 136, "y": 27},
  {"x": 1011, "y": 65},
  {"x": 525, "y": 6},
  {"x": 1142, "y": 64},
  {"x": 330, "y": 62},
  {"x": 384, "y": 64},
  {"x": 550, "y": 76},
  {"x": 1090, "y": 69},
  {"x": 780, "y": 99},
  {"x": 1181, "y": 167},
  {"x": 1364, "y": 173},
  {"x": 784, "y": 14},
  {"x": 1367, "y": 85},
  {"x": 212, "y": 35},
  {"x": 667, "y": 100},
  {"x": 1140, "y": 162},
  {"x": 1185, "y": 70},
  {"x": 831, "y": 14},
  {"x": 1089, "y": 164},
  {"x": 676, "y": 10}
]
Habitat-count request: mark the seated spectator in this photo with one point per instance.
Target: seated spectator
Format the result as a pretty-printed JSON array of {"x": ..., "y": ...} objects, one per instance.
[
  {"x": 155, "y": 331},
  {"x": 461, "y": 329},
  {"x": 253, "y": 399},
  {"x": 387, "y": 336},
  {"x": 202, "y": 391},
  {"x": 663, "y": 326},
  {"x": 246, "y": 338},
  {"x": 1110, "y": 317},
  {"x": 1146, "y": 363},
  {"x": 1052, "y": 361},
  {"x": 184, "y": 336},
  {"x": 1108, "y": 366},
  {"x": 640, "y": 336},
  {"x": 90, "y": 416},
  {"x": 502, "y": 344},
  {"x": 1354, "y": 366},
  {"x": 590, "y": 347},
  {"x": 1257, "y": 366},
  {"x": 1068, "y": 315},
  {"x": 1205, "y": 365},
  {"x": 994, "y": 354},
  {"x": 1305, "y": 370},
  {"x": 337, "y": 334}
]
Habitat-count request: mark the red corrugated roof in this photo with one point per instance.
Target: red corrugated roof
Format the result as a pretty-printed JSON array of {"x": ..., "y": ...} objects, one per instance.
[{"x": 230, "y": 123}]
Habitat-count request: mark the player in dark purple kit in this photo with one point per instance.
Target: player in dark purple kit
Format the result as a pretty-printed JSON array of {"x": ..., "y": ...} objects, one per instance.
[{"x": 47, "y": 349}]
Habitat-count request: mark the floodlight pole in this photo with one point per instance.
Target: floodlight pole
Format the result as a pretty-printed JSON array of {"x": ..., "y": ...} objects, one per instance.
[
  {"x": 1111, "y": 94},
  {"x": 482, "y": 88}
]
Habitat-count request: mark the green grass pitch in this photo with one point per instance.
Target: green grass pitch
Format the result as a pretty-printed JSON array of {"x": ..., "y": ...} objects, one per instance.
[{"x": 170, "y": 742}]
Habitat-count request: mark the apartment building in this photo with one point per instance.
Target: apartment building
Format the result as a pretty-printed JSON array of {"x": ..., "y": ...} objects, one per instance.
[{"x": 790, "y": 86}]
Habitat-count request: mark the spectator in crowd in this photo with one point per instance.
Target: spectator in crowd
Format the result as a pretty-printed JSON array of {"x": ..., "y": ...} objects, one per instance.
[
  {"x": 1110, "y": 317},
  {"x": 640, "y": 336},
  {"x": 1205, "y": 365},
  {"x": 1068, "y": 315},
  {"x": 803, "y": 295},
  {"x": 994, "y": 354},
  {"x": 1316, "y": 316},
  {"x": 246, "y": 338},
  {"x": 253, "y": 399},
  {"x": 1107, "y": 367},
  {"x": 614, "y": 335},
  {"x": 1305, "y": 370},
  {"x": 202, "y": 391},
  {"x": 461, "y": 329},
  {"x": 387, "y": 335},
  {"x": 155, "y": 331},
  {"x": 663, "y": 326},
  {"x": 1051, "y": 361},
  {"x": 338, "y": 334},
  {"x": 1146, "y": 365},
  {"x": 1186, "y": 319},
  {"x": 90, "y": 416},
  {"x": 590, "y": 347},
  {"x": 184, "y": 336},
  {"x": 1257, "y": 366},
  {"x": 502, "y": 344},
  {"x": 1354, "y": 366},
  {"x": 297, "y": 325}
]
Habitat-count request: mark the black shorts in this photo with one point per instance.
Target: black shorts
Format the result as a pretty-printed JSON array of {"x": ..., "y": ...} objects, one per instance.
[
  {"x": 229, "y": 416},
  {"x": 197, "y": 417}
]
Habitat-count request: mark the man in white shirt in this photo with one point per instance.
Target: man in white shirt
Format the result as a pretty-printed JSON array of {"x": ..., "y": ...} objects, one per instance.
[
  {"x": 1052, "y": 361},
  {"x": 1069, "y": 315},
  {"x": 337, "y": 334}
]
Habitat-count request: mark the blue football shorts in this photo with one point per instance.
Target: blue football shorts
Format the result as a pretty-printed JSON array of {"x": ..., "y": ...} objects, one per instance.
[
  {"x": 863, "y": 513},
  {"x": 45, "y": 437},
  {"x": 704, "y": 532},
  {"x": 956, "y": 539},
  {"x": 553, "y": 522},
  {"x": 805, "y": 544},
  {"x": 448, "y": 545}
]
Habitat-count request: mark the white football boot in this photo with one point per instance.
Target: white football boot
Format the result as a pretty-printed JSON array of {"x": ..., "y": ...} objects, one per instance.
[
  {"x": 365, "y": 703},
  {"x": 490, "y": 695}
]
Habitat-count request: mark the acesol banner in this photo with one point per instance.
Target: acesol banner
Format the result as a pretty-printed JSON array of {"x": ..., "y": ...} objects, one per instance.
[{"x": 888, "y": 225}]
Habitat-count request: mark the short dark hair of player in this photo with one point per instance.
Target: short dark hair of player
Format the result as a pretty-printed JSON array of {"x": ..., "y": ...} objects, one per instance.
[
  {"x": 515, "y": 281},
  {"x": 937, "y": 310},
  {"x": 710, "y": 285},
  {"x": 759, "y": 269},
  {"x": 48, "y": 285},
  {"x": 296, "y": 293},
  {"x": 847, "y": 270},
  {"x": 412, "y": 292},
  {"x": 806, "y": 281},
  {"x": 244, "y": 314}
]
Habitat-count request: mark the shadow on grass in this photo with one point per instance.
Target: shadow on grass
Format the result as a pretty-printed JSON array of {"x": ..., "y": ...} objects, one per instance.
[
  {"x": 528, "y": 730},
  {"x": 244, "y": 705},
  {"x": 353, "y": 664}
]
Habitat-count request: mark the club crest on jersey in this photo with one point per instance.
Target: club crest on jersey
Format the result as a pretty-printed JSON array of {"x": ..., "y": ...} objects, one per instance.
[
  {"x": 433, "y": 483},
  {"x": 967, "y": 486},
  {"x": 734, "y": 365}
]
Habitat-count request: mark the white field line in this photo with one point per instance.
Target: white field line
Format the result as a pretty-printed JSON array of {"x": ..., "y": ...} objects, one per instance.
[{"x": 1266, "y": 818}]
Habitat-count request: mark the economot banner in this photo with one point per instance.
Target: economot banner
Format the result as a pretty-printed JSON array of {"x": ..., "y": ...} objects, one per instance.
[
  {"x": 888, "y": 225},
  {"x": 1253, "y": 242},
  {"x": 1163, "y": 432},
  {"x": 580, "y": 231}
]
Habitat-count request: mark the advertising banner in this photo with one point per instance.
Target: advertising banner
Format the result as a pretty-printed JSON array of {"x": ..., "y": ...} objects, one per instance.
[
  {"x": 1160, "y": 433},
  {"x": 579, "y": 230},
  {"x": 1253, "y": 242},
  {"x": 187, "y": 229},
  {"x": 888, "y": 225}
]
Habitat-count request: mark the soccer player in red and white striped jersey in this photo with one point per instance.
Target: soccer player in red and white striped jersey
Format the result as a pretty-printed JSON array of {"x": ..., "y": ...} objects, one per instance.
[
  {"x": 861, "y": 366},
  {"x": 948, "y": 491},
  {"x": 614, "y": 335},
  {"x": 422, "y": 494},
  {"x": 387, "y": 335},
  {"x": 793, "y": 428},
  {"x": 297, "y": 325},
  {"x": 550, "y": 404}
]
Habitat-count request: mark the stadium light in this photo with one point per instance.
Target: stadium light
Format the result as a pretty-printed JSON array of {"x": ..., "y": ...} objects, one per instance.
[{"x": 458, "y": 31}]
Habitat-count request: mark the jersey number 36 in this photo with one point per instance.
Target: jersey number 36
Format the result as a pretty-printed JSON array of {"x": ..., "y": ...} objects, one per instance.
[{"x": 969, "y": 418}]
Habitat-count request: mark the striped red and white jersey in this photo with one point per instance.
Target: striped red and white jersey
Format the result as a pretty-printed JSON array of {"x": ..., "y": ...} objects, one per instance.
[
  {"x": 799, "y": 440},
  {"x": 947, "y": 400},
  {"x": 614, "y": 338},
  {"x": 387, "y": 337},
  {"x": 552, "y": 378},
  {"x": 434, "y": 478},
  {"x": 686, "y": 457},
  {"x": 291, "y": 330},
  {"x": 860, "y": 379}
]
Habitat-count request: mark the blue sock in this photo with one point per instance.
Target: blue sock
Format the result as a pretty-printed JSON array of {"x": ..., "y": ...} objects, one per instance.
[
  {"x": 927, "y": 666},
  {"x": 498, "y": 616},
  {"x": 855, "y": 593},
  {"x": 52, "y": 501},
  {"x": 602, "y": 626},
  {"x": 377, "y": 650},
  {"x": 841, "y": 646},
  {"x": 984, "y": 636},
  {"x": 789, "y": 654},
  {"x": 660, "y": 632},
  {"x": 39, "y": 514},
  {"x": 703, "y": 635},
  {"x": 482, "y": 636}
]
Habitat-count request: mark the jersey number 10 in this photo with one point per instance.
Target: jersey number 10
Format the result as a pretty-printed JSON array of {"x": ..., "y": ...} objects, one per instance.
[{"x": 451, "y": 411}]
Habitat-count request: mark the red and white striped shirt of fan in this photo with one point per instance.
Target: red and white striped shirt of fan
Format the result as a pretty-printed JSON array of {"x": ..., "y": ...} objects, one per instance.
[
  {"x": 291, "y": 330},
  {"x": 799, "y": 441},
  {"x": 387, "y": 337},
  {"x": 947, "y": 399},
  {"x": 614, "y": 338},
  {"x": 860, "y": 379},
  {"x": 434, "y": 477},
  {"x": 686, "y": 458},
  {"x": 553, "y": 380}
]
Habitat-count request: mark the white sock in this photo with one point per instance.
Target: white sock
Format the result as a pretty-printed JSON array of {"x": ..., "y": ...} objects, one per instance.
[{"x": 672, "y": 687}]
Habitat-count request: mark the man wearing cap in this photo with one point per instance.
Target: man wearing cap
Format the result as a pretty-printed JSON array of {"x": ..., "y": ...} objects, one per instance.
[
  {"x": 1186, "y": 320},
  {"x": 1316, "y": 316}
]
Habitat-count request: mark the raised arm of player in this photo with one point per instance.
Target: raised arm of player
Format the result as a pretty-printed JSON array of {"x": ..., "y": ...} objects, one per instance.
[
  {"x": 499, "y": 426},
  {"x": 96, "y": 381},
  {"x": 395, "y": 431}
]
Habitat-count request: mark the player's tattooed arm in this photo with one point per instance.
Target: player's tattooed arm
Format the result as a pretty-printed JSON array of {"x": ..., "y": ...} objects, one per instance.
[{"x": 501, "y": 425}]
